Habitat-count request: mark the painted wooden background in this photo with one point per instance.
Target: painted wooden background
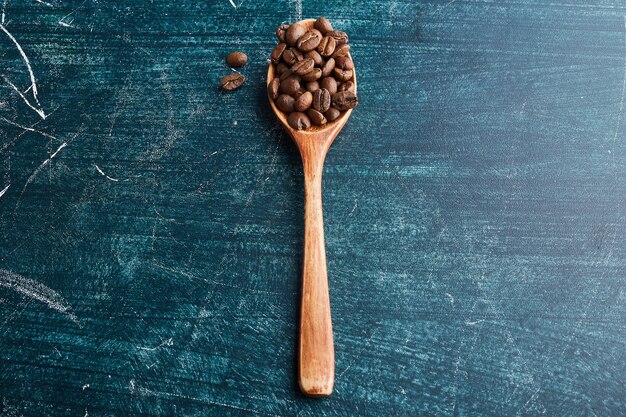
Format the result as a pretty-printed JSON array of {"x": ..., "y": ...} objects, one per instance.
[{"x": 151, "y": 225}]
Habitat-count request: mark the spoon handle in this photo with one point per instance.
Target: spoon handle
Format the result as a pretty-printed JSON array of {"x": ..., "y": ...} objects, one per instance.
[{"x": 317, "y": 354}]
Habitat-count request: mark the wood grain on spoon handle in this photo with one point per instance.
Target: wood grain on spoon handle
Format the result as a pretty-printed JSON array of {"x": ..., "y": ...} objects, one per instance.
[{"x": 316, "y": 350}]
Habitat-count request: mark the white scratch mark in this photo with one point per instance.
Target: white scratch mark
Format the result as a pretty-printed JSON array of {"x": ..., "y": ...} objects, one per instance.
[
  {"x": 473, "y": 323},
  {"x": 4, "y": 8},
  {"x": 45, "y": 3},
  {"x": 168, "y": 342},
  {"x": 450, "y": 297},
  {"x": 67, "y": 25},
  {"x": 356, "y": 203},
  {"x": 30, "y": 129},
  {"x": 210, "y": 281},
  {"x": 105, "y": 175},
  {"x": 85, "y": 387},
  {"x": 146, "y": 391},
  {"x": 621, "y": 104},
  {"x": 4, "y": 190},
  {"x": 33, "y": 82},
  {"x": 40, "y": 112},
  {"x": 43, "y": 164},
  {"x": 37, "y": 291},
  {"x": 132, "y": 385},
  {"x": 298, "y": 9},
  {"x": 232, "y": 3}
]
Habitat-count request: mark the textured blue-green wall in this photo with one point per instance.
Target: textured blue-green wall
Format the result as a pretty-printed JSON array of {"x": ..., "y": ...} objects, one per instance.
[{"x": 151, "y": 231}]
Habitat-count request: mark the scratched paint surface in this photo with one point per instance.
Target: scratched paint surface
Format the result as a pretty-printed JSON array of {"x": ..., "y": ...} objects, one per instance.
[{"x": 151, "y": 226}]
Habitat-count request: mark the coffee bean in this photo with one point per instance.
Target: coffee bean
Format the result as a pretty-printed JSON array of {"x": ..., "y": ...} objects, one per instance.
[
  {"x": 340, "y": 36},
  {"x": 277, "y": 53},
  {"x": 294, "y": 33},
  {"x": 316, "y": 117},
  {"x": 281, "y": 67},
  {"x": 312, "y": 75},
  {"x": 286, "y": 103},
  {"x": 341, "y": 50},
  {"x": 330, "y": 84},
  {"x": 345, "y": 100},
  {"x": 281, "y": 31},
  {"x": 272, "y": 88},
  {"x": 298, "y": 93},
  {"x": 323, "y": 25},
  {"x": 304, "y": 101},
  {"x": 299, "y": 121},
  {"x": 321, "y": 100},
  {"x": 286, "y": 74},
  {"x": 327, "y": 46},
  {"x": 346, "y": 86},
  {"x": 237, "y": 59},
  {"x": 310, "y": 40},
  {"x": 292, "y": 55},
  {"x": 304, "y": 66},
  {"x": 327, "y": 68},
  {"x": 290, "y": 85},
  {"x": 232, "y": 81},
  {"x": 315, "y": 56},
  {"x": 312, "y": 86},
  {"x": 344, "y": 62},
  {"x": 332, "y": 114},
  {"x": 342, "y": 75}
]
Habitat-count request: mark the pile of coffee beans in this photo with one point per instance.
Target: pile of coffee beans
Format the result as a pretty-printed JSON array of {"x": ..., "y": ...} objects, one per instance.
[{"x": 314, "y": 74}]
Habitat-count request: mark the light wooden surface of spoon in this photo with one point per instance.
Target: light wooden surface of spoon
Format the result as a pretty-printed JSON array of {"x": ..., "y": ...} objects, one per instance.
[{"x": 316, "y": 356}]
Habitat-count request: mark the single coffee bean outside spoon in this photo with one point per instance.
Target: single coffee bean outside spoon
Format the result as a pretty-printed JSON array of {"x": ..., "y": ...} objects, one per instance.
[{"x": 316, "y": 354}]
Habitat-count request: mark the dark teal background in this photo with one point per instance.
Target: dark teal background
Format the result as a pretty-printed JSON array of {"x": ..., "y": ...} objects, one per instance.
[{"x": 474, "y": 208}]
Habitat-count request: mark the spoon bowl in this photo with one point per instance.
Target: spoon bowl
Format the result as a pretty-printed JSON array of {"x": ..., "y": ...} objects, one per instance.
[{"x": 316, "y": 356}]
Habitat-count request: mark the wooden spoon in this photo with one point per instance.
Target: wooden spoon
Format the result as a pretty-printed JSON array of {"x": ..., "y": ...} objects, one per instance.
[{"x": 316, "y": 352}]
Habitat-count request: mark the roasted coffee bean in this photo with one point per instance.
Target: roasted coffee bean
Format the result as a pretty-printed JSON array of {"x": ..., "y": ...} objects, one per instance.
[
  {"x": 327, "y": 68},
  {"x": 310, "y": 40},
  {"x": 302, "y": 67},
  {"x": 290, "y": 85},
  {"x": 342, "y": 75},
  {"x": 346, "y": 86},
  {"x": 315, "y": 56},
  {"x": 292, "y": 55},
  {"x": 299, "y": 121},
  {"x": 237, "y": 59},
  {"x": 330, "y": 84},
  {"x": 281, "y": 68},
  {"x": 340, "y": 36},
  {"x": 312, "y": 75},
  {"x": 312, "y": 86},
  {"x": 327, "y": 46},
  {"x": 281, "y": 31},
  {"x": 304, "y": 101},
  {"x": 345, "y": 100},
  {"x": 277, "y": 53},
  {"x": 344, "y": 62},
  {"x": 341, "y": 50},
  {"x": 286, "y": 103},
  {"x": 332, "y": 114},
  {"x": 272, "y": 88},
  {"x": 294, "y": 33},
  {"x": 232, "y": 81},
  {"x": 286, "y": 74},
  {"x": 298, "y": 93},
  {"x": 323, "y": 25},
  {"x": 321, "y": 100},
  {"x": 316, "y": 117}
]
